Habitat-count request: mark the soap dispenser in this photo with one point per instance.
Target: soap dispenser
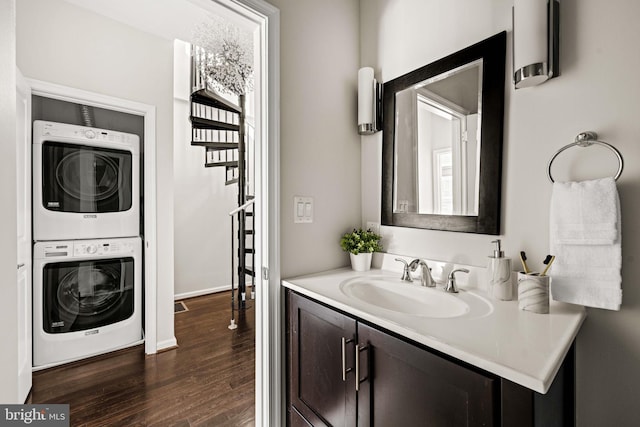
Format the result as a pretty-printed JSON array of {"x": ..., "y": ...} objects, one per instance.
[{"x": 499, "y": 275}]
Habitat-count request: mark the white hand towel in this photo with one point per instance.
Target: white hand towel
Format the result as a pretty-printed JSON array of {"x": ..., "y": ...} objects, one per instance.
[
  {"x": 585, "y": 237},
  {"x": 584, "y": 212}
]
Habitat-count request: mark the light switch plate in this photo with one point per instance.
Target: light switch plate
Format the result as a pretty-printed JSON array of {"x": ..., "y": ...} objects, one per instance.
[{"x": 302, "y": 210}]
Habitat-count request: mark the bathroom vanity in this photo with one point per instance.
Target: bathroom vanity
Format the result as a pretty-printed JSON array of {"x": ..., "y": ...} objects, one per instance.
[{"x": 363, "y": 349}]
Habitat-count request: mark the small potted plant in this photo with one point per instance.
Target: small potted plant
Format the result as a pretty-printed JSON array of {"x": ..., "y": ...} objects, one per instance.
[{"x": 361, "y": 244}]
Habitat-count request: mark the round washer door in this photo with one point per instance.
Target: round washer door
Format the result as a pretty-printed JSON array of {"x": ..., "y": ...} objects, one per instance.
[{"x": 81, "y": 295}]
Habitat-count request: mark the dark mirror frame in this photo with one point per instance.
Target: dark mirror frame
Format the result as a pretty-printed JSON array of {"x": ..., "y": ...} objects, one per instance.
[{"x": 493, "y": 53}]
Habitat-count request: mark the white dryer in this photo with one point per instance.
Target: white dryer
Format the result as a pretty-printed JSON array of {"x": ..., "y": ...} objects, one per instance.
[
  {"x": 86, "y": 182},
  {"x": 87, "y": 298}
]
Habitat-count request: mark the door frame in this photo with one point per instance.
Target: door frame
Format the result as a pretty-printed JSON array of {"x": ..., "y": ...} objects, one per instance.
[
  {"x": 269, "y": 375},
  {"x": 148, "y": 112},
  {"x": 270, "y": 358},
  {"x": 270, "y": 400},
  {"x": 269, "y": 339}
]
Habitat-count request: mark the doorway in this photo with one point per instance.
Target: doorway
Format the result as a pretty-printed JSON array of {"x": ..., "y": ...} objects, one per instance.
[{"x": 268, "y": 311}]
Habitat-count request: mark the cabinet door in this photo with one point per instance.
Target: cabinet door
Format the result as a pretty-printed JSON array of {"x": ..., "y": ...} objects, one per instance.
[
  {"x": 318, "y": 388},
  {"x": 408, "y": 386}
]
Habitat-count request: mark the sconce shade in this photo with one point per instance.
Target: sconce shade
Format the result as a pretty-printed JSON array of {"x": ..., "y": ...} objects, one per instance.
[
  {"x": 368, "y": 102},
  {"x": 535, "y": 41}
]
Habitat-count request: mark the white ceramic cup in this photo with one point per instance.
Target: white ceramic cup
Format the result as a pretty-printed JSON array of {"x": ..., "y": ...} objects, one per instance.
[{"x": 533, "y": 292}]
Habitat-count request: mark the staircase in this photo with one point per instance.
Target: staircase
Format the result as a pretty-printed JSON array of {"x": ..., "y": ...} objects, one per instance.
[{"x": 219, "y": 126}]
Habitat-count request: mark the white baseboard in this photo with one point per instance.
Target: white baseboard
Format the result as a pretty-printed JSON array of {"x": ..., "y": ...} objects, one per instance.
[
  {"x": 166, "y": 344},
  {"x": 201, "y": 292}
]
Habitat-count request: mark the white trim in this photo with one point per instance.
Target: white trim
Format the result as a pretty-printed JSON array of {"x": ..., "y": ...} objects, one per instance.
[
  {"x": 271, "y": 306},
  {"x": 166, "y": 344},
  {"x": 64, "y": 93},
  {"x": 270, "y": 392},
  {"x": 207, "y": 291}
]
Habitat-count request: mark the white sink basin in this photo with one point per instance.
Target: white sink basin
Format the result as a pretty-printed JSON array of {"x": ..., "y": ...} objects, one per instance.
[{"x": 392, "y": 294}]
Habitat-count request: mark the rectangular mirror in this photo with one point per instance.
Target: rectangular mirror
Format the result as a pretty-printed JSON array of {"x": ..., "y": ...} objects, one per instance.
[
  {"x": 437, "y": 149},
  {"x": 442, "y": 142}
]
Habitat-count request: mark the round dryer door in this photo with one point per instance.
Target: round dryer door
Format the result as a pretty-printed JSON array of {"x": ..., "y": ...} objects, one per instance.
[
  {"x": 82, "y": 179},
  {"x": 87, "y": 175}
]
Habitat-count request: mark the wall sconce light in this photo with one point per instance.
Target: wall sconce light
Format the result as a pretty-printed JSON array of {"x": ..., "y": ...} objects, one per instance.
[
  {"x": 535, "y": 41},
  {"x": 369, "y": 102}
]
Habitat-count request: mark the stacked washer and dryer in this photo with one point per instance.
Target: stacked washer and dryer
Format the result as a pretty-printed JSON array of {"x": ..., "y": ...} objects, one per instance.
[{"x": 87, "y": 255}]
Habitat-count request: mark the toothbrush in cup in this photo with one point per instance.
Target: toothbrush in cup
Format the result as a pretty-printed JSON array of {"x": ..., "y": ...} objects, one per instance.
[
  {"x": 523, "y": 259},
  {"x": 547, "y": 261}
]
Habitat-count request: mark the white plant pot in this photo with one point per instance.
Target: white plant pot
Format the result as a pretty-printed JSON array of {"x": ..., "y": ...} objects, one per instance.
[{"x": 361, "y": 262}]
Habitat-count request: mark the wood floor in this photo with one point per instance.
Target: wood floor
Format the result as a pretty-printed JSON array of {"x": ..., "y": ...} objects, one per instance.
[{"x": 207, "y": 381}]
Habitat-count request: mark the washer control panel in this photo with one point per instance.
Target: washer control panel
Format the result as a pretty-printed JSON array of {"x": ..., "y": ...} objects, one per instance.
[
  {"x": 101, "y": 247},
  {"x": 98, "y": 248}
]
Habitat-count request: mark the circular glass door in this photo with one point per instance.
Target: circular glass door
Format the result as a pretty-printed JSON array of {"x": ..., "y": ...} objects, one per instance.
[
  {"x": 91, "y": 290},
  {"x": 83, "y": 179},
  {"x": 81, "y": 295},
  {"x": 88, "y": 175}
]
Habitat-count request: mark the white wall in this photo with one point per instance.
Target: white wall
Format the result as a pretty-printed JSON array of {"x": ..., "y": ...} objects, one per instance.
[
  {"x": 319, "y": 145},
  {"x": 8, "y": 289},
  {"x": 64, "y": 44},
  {"x": 597, "y": 90},
  {"x": 202, "y": 226}
]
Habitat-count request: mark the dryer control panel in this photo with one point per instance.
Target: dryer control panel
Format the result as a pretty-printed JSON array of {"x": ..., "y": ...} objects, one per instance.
[{"x": 79, "y": 133}]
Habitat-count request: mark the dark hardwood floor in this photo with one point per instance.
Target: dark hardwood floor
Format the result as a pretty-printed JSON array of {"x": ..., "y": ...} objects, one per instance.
[{"x": 207, "y": 381}]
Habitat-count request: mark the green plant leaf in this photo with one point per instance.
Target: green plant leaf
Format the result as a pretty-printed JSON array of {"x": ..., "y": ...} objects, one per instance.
[{"x": 361, "y": 241}]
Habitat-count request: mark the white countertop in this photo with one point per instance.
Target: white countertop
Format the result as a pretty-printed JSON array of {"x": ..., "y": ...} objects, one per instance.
[{"x": 523, "y": 347}]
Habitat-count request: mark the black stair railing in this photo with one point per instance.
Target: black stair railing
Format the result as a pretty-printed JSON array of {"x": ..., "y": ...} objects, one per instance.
[{"x": 243, "y": 271}]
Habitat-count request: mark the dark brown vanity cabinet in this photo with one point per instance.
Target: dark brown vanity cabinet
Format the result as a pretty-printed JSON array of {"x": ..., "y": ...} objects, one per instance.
[
  {"x": 401, "y": 383},
  {"x": 404, "y": 385},
  {"x": 398, "y": 383},
  {"x": 317, "y": 337}
]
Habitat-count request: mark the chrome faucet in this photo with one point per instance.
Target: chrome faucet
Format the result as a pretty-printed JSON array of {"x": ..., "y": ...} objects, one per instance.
[
  {"x": 406, "y": 274},
  {"x": 426, "y": 279},
  {"x": 451, "y": 283}
]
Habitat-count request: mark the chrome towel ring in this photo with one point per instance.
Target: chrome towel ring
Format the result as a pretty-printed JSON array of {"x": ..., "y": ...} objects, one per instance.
[{"x": 586, "y": 139}]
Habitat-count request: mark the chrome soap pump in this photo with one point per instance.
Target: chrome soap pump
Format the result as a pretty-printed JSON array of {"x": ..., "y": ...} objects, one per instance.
[{"x": 499, "y": 275}]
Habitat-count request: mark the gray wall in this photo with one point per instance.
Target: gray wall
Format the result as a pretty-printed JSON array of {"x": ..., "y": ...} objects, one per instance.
[
  {"x": 202, "y": 226},
  {"x": 596, "y": 91},
  {"x": 319, "y": 145}
]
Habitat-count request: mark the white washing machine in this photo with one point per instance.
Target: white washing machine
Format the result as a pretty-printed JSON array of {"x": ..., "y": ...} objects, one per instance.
[
  {"x": 86, "y": 182},
  {"x": 87, "y": 298}
]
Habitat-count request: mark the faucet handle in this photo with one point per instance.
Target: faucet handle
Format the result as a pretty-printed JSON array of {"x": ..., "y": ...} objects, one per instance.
[
  {"x": 451, "y": 283},
  {"x": 406, "y": 274}
]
